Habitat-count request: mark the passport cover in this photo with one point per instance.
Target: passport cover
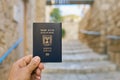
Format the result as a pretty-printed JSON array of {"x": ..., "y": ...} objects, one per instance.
[{"x": 47, "y": 43}]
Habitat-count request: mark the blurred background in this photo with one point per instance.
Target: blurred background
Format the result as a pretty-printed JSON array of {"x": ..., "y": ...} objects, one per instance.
[{"x": 90, "y": 36}]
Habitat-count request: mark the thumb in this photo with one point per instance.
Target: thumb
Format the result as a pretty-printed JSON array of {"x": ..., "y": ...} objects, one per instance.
[{"x": 33, "y": 64}]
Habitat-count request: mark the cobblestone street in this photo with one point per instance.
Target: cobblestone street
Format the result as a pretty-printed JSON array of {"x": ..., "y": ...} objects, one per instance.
[{"x": 81, "y": 63}]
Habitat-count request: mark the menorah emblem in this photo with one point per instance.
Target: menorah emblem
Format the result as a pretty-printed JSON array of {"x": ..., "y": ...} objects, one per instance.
[{"x": 47, "y": 40}]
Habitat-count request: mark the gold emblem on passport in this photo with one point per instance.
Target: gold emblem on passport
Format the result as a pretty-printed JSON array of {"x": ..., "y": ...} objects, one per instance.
[{"x": 47, "y": 40}]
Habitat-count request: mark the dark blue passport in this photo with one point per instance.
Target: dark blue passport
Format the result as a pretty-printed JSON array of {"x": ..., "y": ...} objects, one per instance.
[{"x": 47, "y": 41}]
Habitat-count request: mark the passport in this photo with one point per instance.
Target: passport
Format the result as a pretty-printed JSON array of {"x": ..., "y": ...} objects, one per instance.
[{"x": 47, "y": 41}]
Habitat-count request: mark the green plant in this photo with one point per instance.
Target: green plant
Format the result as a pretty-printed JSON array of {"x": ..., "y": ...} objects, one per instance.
[{"x": 55, "y": 15}]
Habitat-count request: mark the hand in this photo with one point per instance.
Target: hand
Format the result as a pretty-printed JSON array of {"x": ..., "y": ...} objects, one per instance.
[{"x": 27, "y": 68}]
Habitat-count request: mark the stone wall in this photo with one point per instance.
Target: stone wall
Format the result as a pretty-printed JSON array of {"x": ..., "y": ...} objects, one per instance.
[
  {"x": 8, "y": 35},
  {"x": 40, "y": 10},
  {"x": 8, "y": 28},
  {"x": 12, "y": 24},
  {"x": 103, "y": 18},
  {"x": 71, "y": 30}
]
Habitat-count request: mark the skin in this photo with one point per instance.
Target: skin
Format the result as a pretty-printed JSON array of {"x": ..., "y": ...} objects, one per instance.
[{"x": 26, "y": 68}]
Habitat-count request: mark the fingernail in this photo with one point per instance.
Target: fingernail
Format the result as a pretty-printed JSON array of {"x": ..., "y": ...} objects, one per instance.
[
  {"x": 38, "y": 77},
  {"x": 36, "y": 58}
]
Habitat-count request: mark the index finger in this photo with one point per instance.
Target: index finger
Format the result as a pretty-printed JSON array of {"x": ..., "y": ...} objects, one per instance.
[{"x": 24, "y": 61}]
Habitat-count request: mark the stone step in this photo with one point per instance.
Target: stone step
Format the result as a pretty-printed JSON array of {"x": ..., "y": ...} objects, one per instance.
[
  {"x": 76, "y": 76},
  {"x": 74, "y": 46},
  {"x": 88, "y": 57},
  {"x": 80, "y": 67},
  {"x": 77, "y": 48},
  {"x": 71, "y": 43},
  {"x": 77, "y": 51}
]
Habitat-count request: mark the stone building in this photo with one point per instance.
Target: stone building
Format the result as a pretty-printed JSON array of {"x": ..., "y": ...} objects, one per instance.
[
  {"x": 16, "y": 21},
  {"x": 100, "y": 28},
  {"x": 70, "y": 24}
]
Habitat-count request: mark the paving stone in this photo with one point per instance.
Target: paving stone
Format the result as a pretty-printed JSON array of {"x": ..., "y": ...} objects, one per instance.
[
  {"x": 104, "y": 76},
  {"x": 60, "y": 77},
  {"x": 77, "y": 51},
  {"x": 80, "y": 67},
  {"x": 71, "y": 76},
  {"x": 83, "y": 57}
]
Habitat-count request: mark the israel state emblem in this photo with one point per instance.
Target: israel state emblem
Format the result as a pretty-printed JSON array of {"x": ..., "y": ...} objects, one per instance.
[{"x": 47, "y": 40}]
